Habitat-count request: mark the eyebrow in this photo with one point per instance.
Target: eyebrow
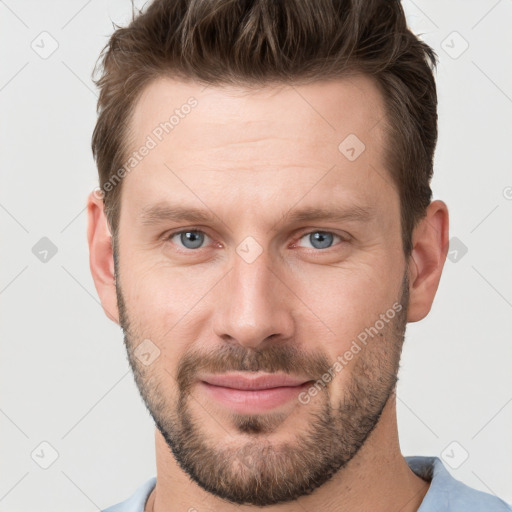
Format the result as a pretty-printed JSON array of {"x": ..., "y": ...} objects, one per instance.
[
  {"x": 163, "y": 212},
  {"x": 160, "y": 213},
  {"x": 355, "y": 213}
]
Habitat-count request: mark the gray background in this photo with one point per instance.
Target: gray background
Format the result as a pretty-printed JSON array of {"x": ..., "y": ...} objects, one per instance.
[{"x": 64, "y": 375}]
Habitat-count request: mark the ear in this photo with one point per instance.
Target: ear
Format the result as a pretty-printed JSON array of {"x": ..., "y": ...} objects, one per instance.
[
  {"x": 101, "y": 259},
  {"x": 430, "y": 247}
]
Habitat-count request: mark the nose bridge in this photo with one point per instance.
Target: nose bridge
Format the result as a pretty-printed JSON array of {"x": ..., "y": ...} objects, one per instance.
[{"x": 253, "y": 305}]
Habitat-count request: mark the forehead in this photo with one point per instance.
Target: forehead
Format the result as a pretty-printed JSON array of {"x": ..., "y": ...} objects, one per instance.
[
  {"x": 278, "y": 140},
  {"x": 321, "y": 112}
]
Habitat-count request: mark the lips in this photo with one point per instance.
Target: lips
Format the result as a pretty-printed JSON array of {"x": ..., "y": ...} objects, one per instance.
[
  {"x": 252, "y": 394},
  {"x": 254, "y": 382}
]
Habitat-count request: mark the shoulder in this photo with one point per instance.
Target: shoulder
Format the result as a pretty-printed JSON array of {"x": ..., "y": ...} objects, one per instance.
[
  {"x": 136, "y": 502},
  {"x": 449, "y": 494}
]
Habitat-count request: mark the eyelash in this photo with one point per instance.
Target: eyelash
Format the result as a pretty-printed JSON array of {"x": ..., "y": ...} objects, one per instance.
[{"x": 168, "y": 237}]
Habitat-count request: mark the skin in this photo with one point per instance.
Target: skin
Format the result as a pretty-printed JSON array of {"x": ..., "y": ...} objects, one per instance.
[{"x": 250, "y": 157}]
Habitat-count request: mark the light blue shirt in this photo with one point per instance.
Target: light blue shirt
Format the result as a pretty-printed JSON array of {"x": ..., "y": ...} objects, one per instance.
[{"x": 445, "y": 494}]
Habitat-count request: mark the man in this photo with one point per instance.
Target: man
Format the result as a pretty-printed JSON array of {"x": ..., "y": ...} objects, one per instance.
[{"x": 263, "y": 233}]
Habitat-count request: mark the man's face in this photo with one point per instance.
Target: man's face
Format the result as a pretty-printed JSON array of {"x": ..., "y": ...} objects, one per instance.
[{"x": 254, "y": 287}]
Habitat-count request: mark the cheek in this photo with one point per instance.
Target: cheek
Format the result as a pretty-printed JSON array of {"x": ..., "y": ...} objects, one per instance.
[
  {"x": 344, "y": 301},
  {"x": 163, "y": 302}
]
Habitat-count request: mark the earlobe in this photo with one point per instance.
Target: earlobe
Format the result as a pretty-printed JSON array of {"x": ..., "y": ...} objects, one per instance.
[
  {"x": 101, "y": 258},
  {"x": 430, "y": 247}
]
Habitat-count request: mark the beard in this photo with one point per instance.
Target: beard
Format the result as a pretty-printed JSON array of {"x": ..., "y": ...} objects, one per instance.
[{"x": 256, "y": 470}]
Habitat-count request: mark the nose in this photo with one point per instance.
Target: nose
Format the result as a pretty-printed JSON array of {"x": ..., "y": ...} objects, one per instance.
[{"x": 254, "y": 305}]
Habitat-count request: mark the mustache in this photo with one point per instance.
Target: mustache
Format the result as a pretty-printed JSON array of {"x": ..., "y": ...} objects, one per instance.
[{"x": 236, "y": 358}]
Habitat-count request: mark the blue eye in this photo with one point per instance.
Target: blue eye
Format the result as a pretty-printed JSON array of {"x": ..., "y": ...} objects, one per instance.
[
  {"x": 194, "y": 239},
  {"x": 190, "y": 239},
  {"x": 320, "y": 239}
]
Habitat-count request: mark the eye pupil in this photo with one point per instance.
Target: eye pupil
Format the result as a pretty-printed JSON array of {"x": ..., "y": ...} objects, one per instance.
[
  {"x": 320, "y": 239},
  {"x": 191, "y": 239}
]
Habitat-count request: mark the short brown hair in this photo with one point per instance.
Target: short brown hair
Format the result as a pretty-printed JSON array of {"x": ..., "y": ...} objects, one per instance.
[{"x": 255, "y": 42}]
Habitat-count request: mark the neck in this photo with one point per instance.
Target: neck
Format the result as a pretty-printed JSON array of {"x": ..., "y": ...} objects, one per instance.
[{"x": 377, "y": 478}]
